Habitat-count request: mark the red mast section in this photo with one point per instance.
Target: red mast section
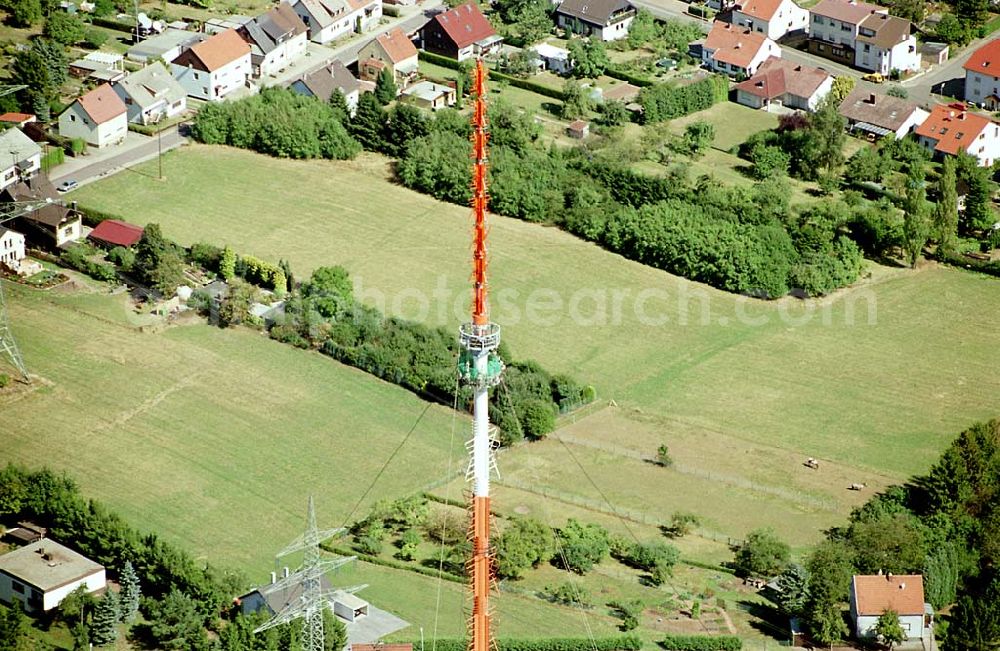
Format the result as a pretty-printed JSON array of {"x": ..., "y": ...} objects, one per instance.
[{"x": 479, "y": 198}]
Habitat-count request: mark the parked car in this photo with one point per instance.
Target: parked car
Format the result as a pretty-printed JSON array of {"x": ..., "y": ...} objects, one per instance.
[
  {"x": 67, "y": 185},
  {"x": 874, "y": 77}
]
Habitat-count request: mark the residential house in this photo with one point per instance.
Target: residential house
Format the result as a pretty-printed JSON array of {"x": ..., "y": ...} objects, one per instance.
[
  {"x": 114, "y": 232},
  {"x": 42, "y": 574},
  {"x": 982, "y": 76},
  {"x": 11, "y": 248},
  {"x": 151, "y": 94},
  {"x": 100, "y": 66},
  {"x": 215, "y": 67},
  {"x": 874, "y": 594},
  {"x": 98, "y": 117},
  {"x": 166, "y": 46},
  {"x": 219, "y": 25},
  {"x": 53, "y": 225},
  {"x": 879, "y": 115},
  {"x": 607, "y": 20},
  {"x": 556, "y": 59},
  {"x": 862, "y": 35},
  {"x": 17, "y": 119},
  {"x": 392, "y": 50},
  {"x": 952, "y": 128},
  {"x": 783, "y": 83},
  {"x": 773, "y": 18},
  {"x": 884, "y": 44},
  {"x": 277, "y": 39},
  {"x": 735, "y": 50},
  {"x": 20, "y": 157},
  {"x": 460, "y": 33},
  {"x": 327, "y": 20},
  {"x": 323, "y": 82},
  {"x": 427, "y": 94}
]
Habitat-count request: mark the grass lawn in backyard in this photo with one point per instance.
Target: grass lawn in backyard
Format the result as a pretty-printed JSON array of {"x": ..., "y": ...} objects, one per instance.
[
  {"x": 733, "y": 123},
  {"x": 848, "y": 379}
]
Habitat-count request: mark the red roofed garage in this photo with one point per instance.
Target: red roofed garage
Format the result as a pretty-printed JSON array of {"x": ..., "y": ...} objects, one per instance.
[{"x": 112, "y": 232}]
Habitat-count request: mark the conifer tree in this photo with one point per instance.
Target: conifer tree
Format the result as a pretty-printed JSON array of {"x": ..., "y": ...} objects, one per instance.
[
  {"x": 227, "y": 266},
  {"x": 385, "y": 87},
  {"x": 104, "y": 621},
  {"x": 128, "y": 601},
  {"x": 368, "y": 123}
]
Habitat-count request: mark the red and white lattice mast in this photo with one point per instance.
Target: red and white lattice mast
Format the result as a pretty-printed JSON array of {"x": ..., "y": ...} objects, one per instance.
[{"x": 480, "y": 369}]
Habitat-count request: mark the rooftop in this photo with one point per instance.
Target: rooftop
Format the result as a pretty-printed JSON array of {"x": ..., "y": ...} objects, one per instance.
[
  {"x": 217, "y": 51},
  {"x": 427, "y": 90},
  {"x": 597, "y": 12},
  {"x": 953, "y": 126},
  {"x": 877, "y": 593},
  {"x": 848, "y": 11},
  {"x": 986, "y": 60},
  {"x": 889, "y": 30},
  {"x": 323, "y": 82},
  {"x": 760, "y": 9},
  {"x": 18, "y": 146},
  {"x": 465, "y": 25},
  {"x": 116, "y": 233},
  {"x": 47, "y": 565},
  {"x": 397, "y": 47},
  {"x": 102, "y": 104},
  {"x": 157, "y": 46},
  {"x": 152, "y": 84},
  {"x": 776, "y": 77},
  {"x": 734, "y": 44},
  {"x": 884, "y": 111}
]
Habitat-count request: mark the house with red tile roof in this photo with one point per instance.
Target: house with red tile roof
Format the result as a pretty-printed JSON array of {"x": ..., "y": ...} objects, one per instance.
[
  {"x": 392, "y": 50},
  {"x": 784, "y": 83},
  {"x": 460, "y": 33},
  {"x": 735, "y": 50},
  {"x": 17, "y": 119},
  {"x": 98, "y": 117},
  {"x": 952, "y": 129},
  {"x": 982, "y": 76},
  {"x": 773, "y": 18},
  {"x": 874, "y": 594},
  {"x": 113, "y": 232},
  {"x": 215, "y": 67}
]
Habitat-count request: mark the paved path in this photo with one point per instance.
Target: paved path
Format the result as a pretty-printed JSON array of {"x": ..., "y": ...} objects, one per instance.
[{"x": 136, "y": 149}]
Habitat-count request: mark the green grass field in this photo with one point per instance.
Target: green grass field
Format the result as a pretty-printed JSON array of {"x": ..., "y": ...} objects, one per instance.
[
  {"x": 733, "y": 123},
  {"x": 810, "y": 378}
]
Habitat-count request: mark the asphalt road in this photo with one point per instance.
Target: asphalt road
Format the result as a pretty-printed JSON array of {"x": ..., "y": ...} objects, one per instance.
[{"x": 127, "y": 156}]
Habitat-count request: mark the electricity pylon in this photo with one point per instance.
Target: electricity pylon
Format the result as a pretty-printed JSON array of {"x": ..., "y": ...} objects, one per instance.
[{"x": 313, "y": 600}]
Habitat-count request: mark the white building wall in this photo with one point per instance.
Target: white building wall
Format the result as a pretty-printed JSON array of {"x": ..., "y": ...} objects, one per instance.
[
  {"x": 75, "y": 123},
  {"x": 913, "y": 626},
  {"x": 94, "y": 582},
  {"x": 213, "y": 85},
  {"x": 11, "y": 248},
  {"x": 789, "y": 18},
  {"x": 912, "y": 122},
  {"x": 986, "y": 147},
  {"x": 617, "y": 30},
  {"x": 70, "y": 232},
  {"x": 112, "y": 132},
  {"x": 824, "y": 89},
  {"x": 285, "y": 54},
  {"x": 979, "y": 86}
]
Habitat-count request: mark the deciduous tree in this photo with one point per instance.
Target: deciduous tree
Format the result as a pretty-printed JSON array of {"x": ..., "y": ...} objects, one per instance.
[
  {"x": 916, "y": 226},
  {"x": 582, "y": 546},
  {"x": 946, "y": 206},
  {"x": 64, "y": 28},
  {"x": 889, "y": 629},
  {"x": 762, "y": 554}
]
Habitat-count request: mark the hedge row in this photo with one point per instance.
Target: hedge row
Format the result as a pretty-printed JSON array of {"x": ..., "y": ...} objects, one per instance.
[
  {"x": 629, "y": 77},
  {"x": 959, "y": 260},
  {"x": 111, "y": 23},
  {"x": 517, "y": 82},
  {"x": 702, "y": 643},
  {"x": 396, "y": 565},
  {"x": 92, "y": 216},
  {"x": 632, "y": 188},
  {"x": 617, "y": 643},
  {"x": 668, "y": 101}
]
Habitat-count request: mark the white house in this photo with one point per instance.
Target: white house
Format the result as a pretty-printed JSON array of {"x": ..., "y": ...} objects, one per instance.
[
  {"x": 20, "y": 157},
  {"x": 884, "y": 44},
  {"x": 773, "y": 18},
  {"x": 952, "y": 128},
  {"x": 42, "y": 574},
  {"x": 11, "y": 250},
  {"x": 607, "y": 20},
  {"x": 554, "y": 58},
  {"x": 783, "y": 83},
  {"x": 427, "y": 94},
  {"x": 215, "y": 67},
  {"x": 982, "y": 76},
  {"x": 874, "y": 594},
  {"x": 151, "y": 94},
  {"x": 880, "y": 115},
  {"x": 735, "y": 50},
  {"x": 277, "y": 39},
  {"x": 99, "y": 117},
  {"x": 331, "y": 19}
]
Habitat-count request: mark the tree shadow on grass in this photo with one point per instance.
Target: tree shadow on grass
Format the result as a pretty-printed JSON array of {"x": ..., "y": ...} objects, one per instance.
[{"x": 767, "y": 619}]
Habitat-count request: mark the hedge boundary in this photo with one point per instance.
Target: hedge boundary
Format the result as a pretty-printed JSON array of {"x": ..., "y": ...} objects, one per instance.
[
  {"x": 396, "y": 565},
  {"x": 523, "y": 84},
  {"x": 117, "y": 25},
  {"x": 618, "y": 643},
  {"x": 969, "y": 264},
  {"x": 702, "y": 643}
]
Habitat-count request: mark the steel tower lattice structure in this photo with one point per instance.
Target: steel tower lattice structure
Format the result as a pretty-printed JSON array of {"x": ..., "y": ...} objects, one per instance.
[
  {"x": 313, "y": 599},
  {"x": 480, "y": 369}
]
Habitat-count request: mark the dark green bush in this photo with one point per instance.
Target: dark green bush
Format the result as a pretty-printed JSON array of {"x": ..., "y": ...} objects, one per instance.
[{"x": 702, "y": 643}]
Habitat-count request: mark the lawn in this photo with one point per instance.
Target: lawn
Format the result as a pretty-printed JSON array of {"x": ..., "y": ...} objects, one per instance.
[
  {"x": 733, "y": 123},
  {"x": 819, "y": 378}
]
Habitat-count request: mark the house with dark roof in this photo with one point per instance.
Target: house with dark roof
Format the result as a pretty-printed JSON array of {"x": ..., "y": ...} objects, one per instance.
[
  {"x": 98, "y": 117},
  {"x": 874, "y": 594},
  {"x": 952, "y": 129},
  {"x": 276, "y": 38},
  {"x": 20, "y": 157},
  {"x": 878, "y": 115},
  {"x": 327, "y": 20},
  {"x": 151, "y": 94},
  {"x": 215, "y": 67},
  {"x": 784, "y": 83},
  {"x": 40, "y": 575},
  {"x": 322, "y": 83},
  {"x": 166, "y": 46},
  {"x": 982, "y": 76},
  {"x": 54, "y": 224},
  {"x": 460, "y": 33},
  {"x": 862, "y": 35},
  {"x": 392, "y": 50},
  {"x": 773, "y": 18},
  {"x": 607, "y": 20},
  {"x": 734, "y": 50},
  {"x": 114, "y": 232}
]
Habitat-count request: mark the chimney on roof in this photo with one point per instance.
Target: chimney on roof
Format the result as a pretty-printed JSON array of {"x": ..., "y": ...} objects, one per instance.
[
  {"x": 880, "y": 571},
  {"x": 902, "y": 586},
  {"x": 871, "y": 100},
  {"x": 284, "y": 572},
  {"x": 739, "y": 44},
  {"x": 274, "y": 578},
  {"x": 888, "y": 576}
]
